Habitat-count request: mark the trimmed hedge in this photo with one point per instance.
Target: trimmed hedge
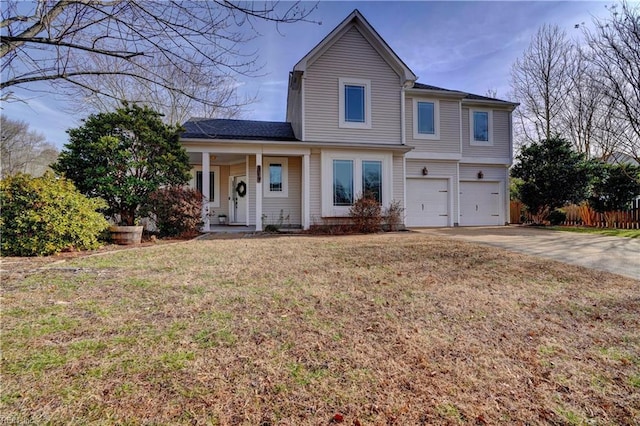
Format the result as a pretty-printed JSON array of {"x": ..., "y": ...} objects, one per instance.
[{"x": 45, "y": 215}]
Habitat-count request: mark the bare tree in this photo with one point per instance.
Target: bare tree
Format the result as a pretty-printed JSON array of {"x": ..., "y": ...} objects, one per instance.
[
  {"x": 175, "y": 106},
  {"x": 615, "y": 52},
  {"x": 585, "y": 119},
  {"x": 152, "y": 41},
  {"x": 23, "y": 150},
  {"x": 540, "y": 82}
]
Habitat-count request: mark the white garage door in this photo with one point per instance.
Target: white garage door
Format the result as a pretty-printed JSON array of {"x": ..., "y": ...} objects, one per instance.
[
  {"x": 480, "y": 204},
  {"x": 427, "y": 202}
]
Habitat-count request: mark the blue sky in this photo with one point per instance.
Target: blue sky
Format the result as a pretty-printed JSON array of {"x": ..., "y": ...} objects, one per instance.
[{"x": 466, "y": 46}]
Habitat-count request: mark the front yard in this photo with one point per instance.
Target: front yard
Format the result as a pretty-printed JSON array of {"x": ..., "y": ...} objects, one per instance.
[{"x": 400, "y": 329}]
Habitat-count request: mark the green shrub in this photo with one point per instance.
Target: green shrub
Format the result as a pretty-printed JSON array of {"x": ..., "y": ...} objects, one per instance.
[
  {"x": 45, "y": 215},
  {"x": 177, "y": 210},
  {"x": 366, "y": 214},
  {"x": 557, "y": 217}
]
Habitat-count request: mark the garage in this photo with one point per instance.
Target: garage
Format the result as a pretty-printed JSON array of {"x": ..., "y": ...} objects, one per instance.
[
  {"x": 480, "y": 204},
  {"x": 427, "y": 202}
]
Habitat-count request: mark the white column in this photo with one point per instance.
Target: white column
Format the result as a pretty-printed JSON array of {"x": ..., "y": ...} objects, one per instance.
[
  {"x": 205, "y": 190},
  {"x": 259, "y": 191},
  {"x": 306, "y": 196}
]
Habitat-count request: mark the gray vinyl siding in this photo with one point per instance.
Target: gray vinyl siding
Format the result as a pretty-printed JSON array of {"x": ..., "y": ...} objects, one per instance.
[
  {"x": 501, "y": 137},
  {"x": 351, "y": 57},
  {"x": 398, "y": 179},
  {"x": 437, "y": 169},
  {"x": 449, "y": 141},
  {"x": 470, "y": 172},
  {"x": 289, "y": 207},
  {"x": 294, "y": 111},
  {"x": 315, "y": 189}
]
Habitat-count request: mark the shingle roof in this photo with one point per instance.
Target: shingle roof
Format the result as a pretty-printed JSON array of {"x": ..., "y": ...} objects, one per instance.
[
  {"x": 469, "y": 96},
  {"x": 204, "y": 128}
]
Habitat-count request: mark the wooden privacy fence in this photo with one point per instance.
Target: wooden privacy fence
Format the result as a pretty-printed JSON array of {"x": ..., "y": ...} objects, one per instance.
[{"x": 585, "y": 215}]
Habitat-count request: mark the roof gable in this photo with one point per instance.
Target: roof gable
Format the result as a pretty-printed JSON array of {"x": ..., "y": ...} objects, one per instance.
[{"x": 355, "y": 19}]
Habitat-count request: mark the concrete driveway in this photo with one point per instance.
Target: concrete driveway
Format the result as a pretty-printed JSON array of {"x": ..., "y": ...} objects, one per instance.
[{"x": 612, "y": 254}]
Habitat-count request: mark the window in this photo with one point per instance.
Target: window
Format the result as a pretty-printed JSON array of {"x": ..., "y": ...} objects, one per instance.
[
  {"x": 481, "y": 127},
  {"x": 213, "y": 198},
  {"x": 276, "y": 177},
  {"x": 347, "y": 175},
  {"x": 342, "y": 182},
  {"x": 355, "y": 103},
  {"x": 212, "y": 175},
  {"x": 372, "y": 179},
  {"x": 426, "y": 123}
]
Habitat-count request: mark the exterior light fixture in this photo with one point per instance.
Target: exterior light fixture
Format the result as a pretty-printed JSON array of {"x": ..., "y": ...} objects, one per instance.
[
  {"x": 480, "y": 174},
  {"x": 425, "y": 171}
]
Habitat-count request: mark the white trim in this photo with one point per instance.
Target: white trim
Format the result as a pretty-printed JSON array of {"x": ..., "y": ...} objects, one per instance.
[
  {"x": 205, "y": 189},
  {"x": 247, "y": 208},
  {"x": 266, "y": 176},
  {"x": 344, "y": 81},
  {"x": 504, "y": 161},
  {"x": 436, "y": 119},
  {"x": 259, "y": 161},
  {"x": 326, "y": 164},
  {"x": 457, "y": 212},
  {"x": 472, "y": 140},
  {"x": 306, "y": 195},
  {"x": 403, "y": 129},
  {"x": 422, "y": 155},
  {"x": 303, "y": 118}
]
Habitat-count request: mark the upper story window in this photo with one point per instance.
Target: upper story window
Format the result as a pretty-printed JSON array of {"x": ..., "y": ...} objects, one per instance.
[
  {"x": 276, "y": 176},
  {"x": 481, "y": 127},
  {"x": 355, "y": 103},
  {"x": 426, "y": 119}
]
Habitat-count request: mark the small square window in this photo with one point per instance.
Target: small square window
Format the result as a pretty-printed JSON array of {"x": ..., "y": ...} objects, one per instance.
[
  {"x": 354, "y": 104},
  {"x": 354, "y": 100},
  {"x": 481, "y": 126},
  {"x": 275, "y": 177},
  {"x": 426, "y": 118}
]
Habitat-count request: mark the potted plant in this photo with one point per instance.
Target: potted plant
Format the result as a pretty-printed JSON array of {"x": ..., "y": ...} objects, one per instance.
[{"x": 222, "y": 219}]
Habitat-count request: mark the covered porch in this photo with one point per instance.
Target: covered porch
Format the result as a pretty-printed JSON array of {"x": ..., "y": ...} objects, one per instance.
[{"x": 249, "y": 186}]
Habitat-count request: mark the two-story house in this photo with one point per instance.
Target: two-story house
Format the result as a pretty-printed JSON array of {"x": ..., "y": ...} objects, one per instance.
[{"x": 358, "y": 121}]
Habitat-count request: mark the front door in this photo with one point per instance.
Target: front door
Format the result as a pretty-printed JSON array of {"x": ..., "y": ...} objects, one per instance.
[{"x": 239, "y": 199}]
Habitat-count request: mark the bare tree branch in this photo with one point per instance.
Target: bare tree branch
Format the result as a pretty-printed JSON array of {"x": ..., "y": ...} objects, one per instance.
[{"x": 55, "y": 42}]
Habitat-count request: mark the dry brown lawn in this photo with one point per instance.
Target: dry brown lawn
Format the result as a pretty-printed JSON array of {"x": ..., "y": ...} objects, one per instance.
[{"x": 398, "y": 329}]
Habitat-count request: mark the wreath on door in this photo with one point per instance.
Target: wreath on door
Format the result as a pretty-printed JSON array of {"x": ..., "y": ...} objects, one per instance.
[{"x": 241, "y": 189}]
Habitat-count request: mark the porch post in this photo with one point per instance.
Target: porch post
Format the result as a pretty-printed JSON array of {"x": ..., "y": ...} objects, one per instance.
[
  {"x": 205, "y": 190},
  {"x": 259, "y": 191},
  {"x": 306, "y": 196}
]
